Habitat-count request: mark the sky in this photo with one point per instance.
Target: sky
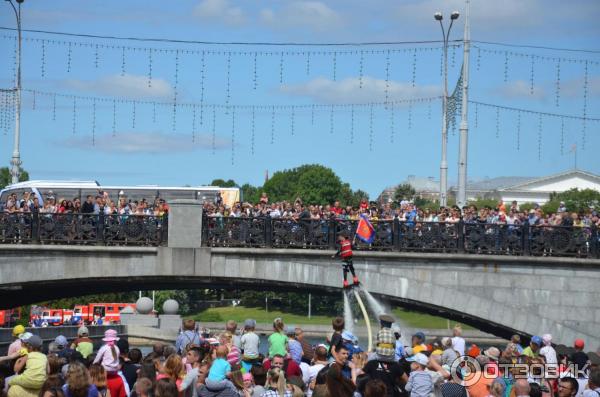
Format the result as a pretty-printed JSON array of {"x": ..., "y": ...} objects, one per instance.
[{"x": 370, "y": 112}]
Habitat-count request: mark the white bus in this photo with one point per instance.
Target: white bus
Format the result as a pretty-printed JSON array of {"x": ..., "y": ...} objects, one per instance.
[{"x": 70, "y": 190}]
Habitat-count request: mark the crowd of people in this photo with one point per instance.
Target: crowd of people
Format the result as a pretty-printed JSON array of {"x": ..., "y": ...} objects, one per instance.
[
  {"x": 93, "y": 205},
  {"x": 230, "y": 364},
  {"x": 405, "y": 211}
]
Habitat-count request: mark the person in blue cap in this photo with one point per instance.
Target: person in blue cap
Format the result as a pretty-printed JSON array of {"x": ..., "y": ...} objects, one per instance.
[
  {"x": 533, "y": 350},
  {"x": 351, "y": 344}
]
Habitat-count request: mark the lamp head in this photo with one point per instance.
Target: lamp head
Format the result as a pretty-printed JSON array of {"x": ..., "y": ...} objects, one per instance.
[
  {"x": 438, "y": 16},
  {"x": 454, "y": 15}
]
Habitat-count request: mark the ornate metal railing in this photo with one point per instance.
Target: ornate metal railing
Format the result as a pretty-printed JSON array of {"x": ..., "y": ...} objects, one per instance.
[
  {"x": 457, "y": 237},
  {"x": 83, "y": 229}
]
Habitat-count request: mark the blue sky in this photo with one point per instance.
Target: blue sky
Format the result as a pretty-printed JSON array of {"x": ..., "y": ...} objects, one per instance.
[{"x": 386, "y": 143}]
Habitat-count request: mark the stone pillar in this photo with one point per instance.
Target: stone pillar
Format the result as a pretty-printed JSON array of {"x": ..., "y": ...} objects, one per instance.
[{"x": 185, "y": 224}]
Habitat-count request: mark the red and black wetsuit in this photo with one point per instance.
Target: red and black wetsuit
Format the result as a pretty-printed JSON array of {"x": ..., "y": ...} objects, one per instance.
[{"x": 345, "y": 252}]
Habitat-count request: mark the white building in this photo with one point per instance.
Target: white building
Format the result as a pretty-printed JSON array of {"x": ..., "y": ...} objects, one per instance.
[
  {"x": 538, "y": 190},
  {"x": 529, "y": 189}
]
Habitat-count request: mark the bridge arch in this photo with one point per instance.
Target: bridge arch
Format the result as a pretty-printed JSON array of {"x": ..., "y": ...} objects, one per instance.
[{"x": 500, "y": 295}]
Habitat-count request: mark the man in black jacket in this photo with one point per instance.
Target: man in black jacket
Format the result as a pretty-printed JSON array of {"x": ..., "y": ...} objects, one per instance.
[{"x": 88, "y": 205}]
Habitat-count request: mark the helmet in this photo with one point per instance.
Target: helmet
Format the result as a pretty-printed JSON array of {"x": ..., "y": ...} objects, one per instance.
[{"x": 18, "y": 330}]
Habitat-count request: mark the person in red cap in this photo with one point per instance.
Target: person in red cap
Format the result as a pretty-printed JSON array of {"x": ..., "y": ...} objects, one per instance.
[{"x": 579, "y": 358}]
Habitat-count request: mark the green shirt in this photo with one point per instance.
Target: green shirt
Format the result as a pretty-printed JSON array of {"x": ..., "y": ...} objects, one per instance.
[
  {"x": 278, "y": 344},
  {"x": 84, "y": 346},
  {"x": 530, "y": 353}
]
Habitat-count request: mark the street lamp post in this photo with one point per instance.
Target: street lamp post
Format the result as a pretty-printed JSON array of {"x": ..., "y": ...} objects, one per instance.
[
  {"x": 444, "y": 163},
  {"x": 15, "y": 170}
]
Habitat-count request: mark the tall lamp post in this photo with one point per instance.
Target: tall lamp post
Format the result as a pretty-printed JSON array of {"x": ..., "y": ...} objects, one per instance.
[
  {"x": 15, "y": 170},
  {"x": 461, "y": 196},
  {"x": 444, "y": 163}
]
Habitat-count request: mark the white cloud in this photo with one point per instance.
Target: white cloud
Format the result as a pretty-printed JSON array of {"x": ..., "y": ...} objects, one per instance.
[
  {"x": 311, "y": 14},
  {"x": 574, "y": 88},
  {"x": 521, "y": 89},
  {"x": 219, "y": 11},
  {"x": 126, "y": 86},
  {"x": 349, "y": 90},
  {"x": 145, "y": 142}
]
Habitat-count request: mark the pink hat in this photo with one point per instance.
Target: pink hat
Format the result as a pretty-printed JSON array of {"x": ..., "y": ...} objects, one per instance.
[
  {"x": 247, "y": 377},
  {"x": 110, "y": 336}
]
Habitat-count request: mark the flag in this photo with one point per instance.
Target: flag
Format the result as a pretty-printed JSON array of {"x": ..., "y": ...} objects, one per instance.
[{"x": 365, "y": 230}]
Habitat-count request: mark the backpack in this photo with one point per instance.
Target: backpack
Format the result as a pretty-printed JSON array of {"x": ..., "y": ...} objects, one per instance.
[{"x": 190, "y": 342}]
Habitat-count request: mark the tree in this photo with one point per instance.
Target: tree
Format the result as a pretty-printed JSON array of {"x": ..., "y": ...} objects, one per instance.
[
  {"x": 250, "y": 193},
  {"x": 5, "y": 177},
  {"x": 575, "y": 200},
  {"x": 223, "y": 183},
  {"x": 404, "y": 192},
  {"x": 313, "y": 183}
]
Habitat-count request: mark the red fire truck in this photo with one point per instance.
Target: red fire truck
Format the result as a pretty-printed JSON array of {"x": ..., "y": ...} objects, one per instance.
[
  {"x": 9, "y": 317},
  {"x": 43, "y": 317},
  {"x": 99, "y": 313}
]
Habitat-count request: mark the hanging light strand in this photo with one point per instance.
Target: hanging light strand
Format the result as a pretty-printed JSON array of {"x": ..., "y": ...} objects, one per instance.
[{"x": 585, "y": 104}]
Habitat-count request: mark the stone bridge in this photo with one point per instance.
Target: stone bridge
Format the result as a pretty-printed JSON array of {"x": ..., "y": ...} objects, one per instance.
[{"x": 498, "y": 294}]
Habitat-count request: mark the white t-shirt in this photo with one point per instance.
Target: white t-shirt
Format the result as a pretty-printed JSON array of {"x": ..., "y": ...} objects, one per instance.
[
  {"x": 305, "y": 368},
  {"x": 550, "y": 354},
  {"x": 249, "y": 344},
  {"x": 313, "y": 370},
  {"x": 458, "y": 344}
]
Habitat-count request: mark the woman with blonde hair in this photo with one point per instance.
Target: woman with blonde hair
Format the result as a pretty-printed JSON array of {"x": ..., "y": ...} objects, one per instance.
[
  {"x": 276, "y": 386},
  {"x": 174, "y": 370},
  {"x": 98, "y": 378},
  {"x": 78, "y": 382}
]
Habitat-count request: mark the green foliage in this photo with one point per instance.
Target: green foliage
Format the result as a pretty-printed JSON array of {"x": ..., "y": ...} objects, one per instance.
[
  {"x": 483, "y": 202},
  {"x": 223, "y": 183},
  {"x": 294, "y": 302},
  {"x": 575, "y": 200},
  {"x": 526, "y": 207},
  {"x": 250, "y": 194},
  {"x": 314, "y": 183},
  {"x": 355, "y": 197},
  {"x": 181, "y": 296},
  {"x": 5, "y": 178},
  {"x": 404, "y": 192},
  {"x": 426, "y": 204}
]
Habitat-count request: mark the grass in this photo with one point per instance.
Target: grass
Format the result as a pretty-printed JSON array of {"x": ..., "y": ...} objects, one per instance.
[
  {"x": 240, "y": 313},
  {"x": 422, "y": 320}
]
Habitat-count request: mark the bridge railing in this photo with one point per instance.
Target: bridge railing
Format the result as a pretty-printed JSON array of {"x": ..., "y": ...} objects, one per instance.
[
  {"x": 90, "y": 229},
  {"x": 398, "y": 236}
]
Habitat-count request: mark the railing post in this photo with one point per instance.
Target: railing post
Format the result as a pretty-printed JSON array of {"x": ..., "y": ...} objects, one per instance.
[
  {"x": 205, "y": 227},
  {"x": 35, "y": 227},
  {"x": 461, "y": 235},
  {"x": 164, "y": 230},
  {"x": 594, "y": 249},
  {"x": 525, "y": 234},
  {"x": 396, "y": 234},
  {"x": 100, "y": 227},
  {"x": 268, "y": 232},
  {"x": 332, "y": 233}
]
